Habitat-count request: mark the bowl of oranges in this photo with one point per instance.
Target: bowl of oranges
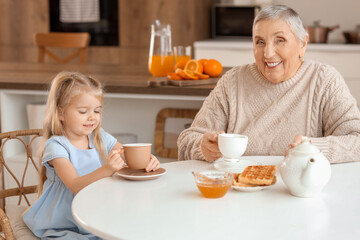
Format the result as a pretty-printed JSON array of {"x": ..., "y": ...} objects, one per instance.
[{"x": 192, "y": 69}]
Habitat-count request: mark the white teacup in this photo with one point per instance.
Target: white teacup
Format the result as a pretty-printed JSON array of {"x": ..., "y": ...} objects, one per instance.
[{"x": 232, "y": 146}]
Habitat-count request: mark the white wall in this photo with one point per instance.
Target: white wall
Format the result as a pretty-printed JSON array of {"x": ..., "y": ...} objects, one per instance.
[{"x": 345, "y": 13}]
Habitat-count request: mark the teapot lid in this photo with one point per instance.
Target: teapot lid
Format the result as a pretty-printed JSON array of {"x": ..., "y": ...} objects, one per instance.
[{"x": 305, "y": 148}]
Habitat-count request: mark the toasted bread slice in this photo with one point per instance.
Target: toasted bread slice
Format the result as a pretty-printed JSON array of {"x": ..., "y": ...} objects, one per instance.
[
  {"x": 258, "y": 175},
  {"x": 239, "y": 184}
]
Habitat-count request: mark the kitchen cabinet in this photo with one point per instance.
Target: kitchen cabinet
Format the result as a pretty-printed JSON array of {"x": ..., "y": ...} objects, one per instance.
[{"x": 344, "y": 57}]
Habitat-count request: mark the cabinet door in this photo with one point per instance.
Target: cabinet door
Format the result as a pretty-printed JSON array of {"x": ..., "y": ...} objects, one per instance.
[{"x": 227, "y": 57}]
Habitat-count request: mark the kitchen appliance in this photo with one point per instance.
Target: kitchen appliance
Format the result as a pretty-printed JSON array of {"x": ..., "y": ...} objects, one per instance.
[
  {"x": 318, "y": 33},
  {"x": 104, "y": 32},
  {"x": 352, "y": 36},
  {"x": 232, "y": 21}
]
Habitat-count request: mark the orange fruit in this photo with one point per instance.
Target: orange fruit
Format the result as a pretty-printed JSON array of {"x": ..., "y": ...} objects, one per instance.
[
  {"x": 174, "y": 76},
  {"x": 193, "y": 66},
  {"x": 181, "y": 73},
  {"x": 202, "y": 61},
  {"x": 190, "y": 75},
  {"x": 213, "y": 68},
  {"x": 201, "y": 75},
  {"x": 181, "y": 63},
  {"x": 200, "y": 68}
]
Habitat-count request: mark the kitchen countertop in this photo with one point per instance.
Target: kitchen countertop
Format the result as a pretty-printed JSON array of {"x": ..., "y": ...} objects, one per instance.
[
  {"x": 116, "y": 78},
  {"x": 247, "y": 44}
]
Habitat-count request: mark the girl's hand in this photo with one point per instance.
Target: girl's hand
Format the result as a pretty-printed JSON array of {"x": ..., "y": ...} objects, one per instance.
[
  {"x": 153, "y": 165},
  {"x": 114, "y": 160},
  {"x": 209, "y": 146},
  {"x": 296, "y": 141}
]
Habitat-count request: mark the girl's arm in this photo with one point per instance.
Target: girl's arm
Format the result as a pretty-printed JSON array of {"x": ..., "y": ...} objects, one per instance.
[{"x": 75, "y": 183}]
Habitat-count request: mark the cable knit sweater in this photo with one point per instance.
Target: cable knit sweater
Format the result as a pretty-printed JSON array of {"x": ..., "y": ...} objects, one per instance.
[{"x": 315, "y": 102}]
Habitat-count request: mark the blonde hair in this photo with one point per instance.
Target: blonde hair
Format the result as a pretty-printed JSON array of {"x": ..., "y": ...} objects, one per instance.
[{"x": 64, "y": 87}]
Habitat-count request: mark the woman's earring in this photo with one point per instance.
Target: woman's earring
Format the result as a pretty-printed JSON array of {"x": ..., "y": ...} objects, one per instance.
[{"x": 301, "y": 58}]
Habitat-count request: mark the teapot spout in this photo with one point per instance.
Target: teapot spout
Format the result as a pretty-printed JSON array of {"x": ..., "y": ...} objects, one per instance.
[
  {"x": 309, "y": 177},
  {"x": 316, "y": 173}
]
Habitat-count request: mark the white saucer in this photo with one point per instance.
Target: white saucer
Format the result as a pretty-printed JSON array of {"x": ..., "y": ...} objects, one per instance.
[
  {"x": 234, "y": 167},
  {"x": 249, "y": 189},
  {"x": 140, "y": 174}
]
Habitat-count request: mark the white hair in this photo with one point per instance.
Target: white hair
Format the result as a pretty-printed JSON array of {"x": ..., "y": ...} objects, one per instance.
[{"x": 290, "y": 16}]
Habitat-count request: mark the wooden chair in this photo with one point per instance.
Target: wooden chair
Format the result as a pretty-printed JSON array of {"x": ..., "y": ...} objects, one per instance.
[
  {"x": 15, "y": 227},
  {"x": 63, "y": 40},
  {"x": 159, "y": 143}
]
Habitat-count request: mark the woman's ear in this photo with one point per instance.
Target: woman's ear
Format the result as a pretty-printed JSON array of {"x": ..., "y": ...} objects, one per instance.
[{"x": 303, "y": 47}]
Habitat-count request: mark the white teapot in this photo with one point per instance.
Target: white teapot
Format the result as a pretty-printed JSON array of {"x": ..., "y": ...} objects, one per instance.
[{"x": 305, "y": 171}]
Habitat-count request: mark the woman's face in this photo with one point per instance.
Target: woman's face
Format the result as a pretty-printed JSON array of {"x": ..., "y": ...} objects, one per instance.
[{"x": 277, "y": 51}]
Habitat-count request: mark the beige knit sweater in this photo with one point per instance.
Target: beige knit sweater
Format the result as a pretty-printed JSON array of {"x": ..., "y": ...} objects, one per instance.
[{"x": 316, "y": 103}]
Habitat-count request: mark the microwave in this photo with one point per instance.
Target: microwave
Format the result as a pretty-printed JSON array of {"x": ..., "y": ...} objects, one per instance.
[{"x": 232, "y": 21}]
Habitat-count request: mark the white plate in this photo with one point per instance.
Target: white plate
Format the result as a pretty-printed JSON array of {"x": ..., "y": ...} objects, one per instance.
[
  {"x": 234, "y": 167},
  {"x": 140, "y": 174},
  {"x": 249, "y": 189}
]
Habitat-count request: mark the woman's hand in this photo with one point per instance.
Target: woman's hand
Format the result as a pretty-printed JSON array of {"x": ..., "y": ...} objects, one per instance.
[
  {"x": 114, "y": 160},
  {"x": 296, "y": 141},
  {"x": 209, "y": 146},
  {"x": 153, "y": 165}
]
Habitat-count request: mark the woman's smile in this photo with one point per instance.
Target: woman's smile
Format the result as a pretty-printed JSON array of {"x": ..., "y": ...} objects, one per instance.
[{"x": 273, "y": 64}]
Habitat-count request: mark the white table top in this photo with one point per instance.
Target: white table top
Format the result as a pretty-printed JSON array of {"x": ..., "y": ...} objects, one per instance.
[{"x": 171, "y": 207}]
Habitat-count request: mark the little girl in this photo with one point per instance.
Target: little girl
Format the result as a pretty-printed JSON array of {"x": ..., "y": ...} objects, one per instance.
[{"x": 77, "y": 152}]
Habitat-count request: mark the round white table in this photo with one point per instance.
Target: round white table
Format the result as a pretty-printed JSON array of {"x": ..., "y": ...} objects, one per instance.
[{"x": 171, "y": 207}]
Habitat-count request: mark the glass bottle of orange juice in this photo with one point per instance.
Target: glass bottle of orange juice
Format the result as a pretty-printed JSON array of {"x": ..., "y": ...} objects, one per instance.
[{"x": 161, "y": 57}]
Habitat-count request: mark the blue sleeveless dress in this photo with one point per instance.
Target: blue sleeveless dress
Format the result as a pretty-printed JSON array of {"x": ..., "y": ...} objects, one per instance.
[{"x": 50, "y": 216}]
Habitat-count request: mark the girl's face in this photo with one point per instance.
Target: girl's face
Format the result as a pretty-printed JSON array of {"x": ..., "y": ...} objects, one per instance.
[
  {"x": 277, "y": 50},
  {"x": 81, "y": 116}
]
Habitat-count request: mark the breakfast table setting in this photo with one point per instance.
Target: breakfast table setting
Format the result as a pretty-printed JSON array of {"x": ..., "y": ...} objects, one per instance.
[
  {"x": 307, "y": 199},
  {"x": 297, "y": 196}
]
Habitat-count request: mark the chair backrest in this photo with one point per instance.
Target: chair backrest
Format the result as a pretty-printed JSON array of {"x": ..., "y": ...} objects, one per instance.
[
  {"x": 160, "y": 132},
  {"x": 44, "y": 41},
  {"x": 15, "y": 170},
  {"x": 26, "y": 139}
]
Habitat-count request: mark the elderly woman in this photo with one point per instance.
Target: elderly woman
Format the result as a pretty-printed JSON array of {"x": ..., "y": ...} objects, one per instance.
[{"x": 278, "y": 99}]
